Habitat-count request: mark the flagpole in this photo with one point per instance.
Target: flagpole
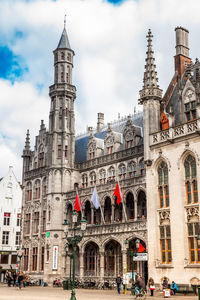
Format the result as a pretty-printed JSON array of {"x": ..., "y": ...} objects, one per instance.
[
  {"x": 122, "y": 202},
  {"x": 79, "y": 203},
  {"x": 100, "y": 207}
]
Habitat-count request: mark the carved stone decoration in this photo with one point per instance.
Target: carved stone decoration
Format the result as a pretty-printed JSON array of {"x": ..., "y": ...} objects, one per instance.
[
  {"x": 164, "y": 215},
  {"x": 192, "y": 212}
]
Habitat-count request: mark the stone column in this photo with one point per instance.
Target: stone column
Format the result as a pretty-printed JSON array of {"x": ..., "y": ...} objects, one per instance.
[
  {"x": 124, "y": 259},
  {"x": 112, "y": 212},
  {"x": 81, "y": 265},
  {"x": 101, "y": 266},
  {"x": 92, "y": 215}
]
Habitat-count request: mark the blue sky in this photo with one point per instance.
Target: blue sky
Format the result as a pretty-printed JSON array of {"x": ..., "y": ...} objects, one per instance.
[{"x": 109, "y": 40}]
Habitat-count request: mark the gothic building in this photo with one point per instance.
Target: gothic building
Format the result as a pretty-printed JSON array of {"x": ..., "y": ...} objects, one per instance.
[
  {"x": 172, "y": 158},
  {"x": 157, "y": 152},
  {"x": 62, "y": 164}
]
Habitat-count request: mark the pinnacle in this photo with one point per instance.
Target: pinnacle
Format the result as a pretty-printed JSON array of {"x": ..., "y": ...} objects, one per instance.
[
  {"x": 64, "y": 41},
  {"x": 27, "y": 142}
]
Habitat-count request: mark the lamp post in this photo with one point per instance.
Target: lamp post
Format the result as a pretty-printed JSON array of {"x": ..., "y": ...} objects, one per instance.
[
  {"x": 20, "y": 253},
  {"x": 132, "y": 255},
  {"x": 73, "y": 241}
]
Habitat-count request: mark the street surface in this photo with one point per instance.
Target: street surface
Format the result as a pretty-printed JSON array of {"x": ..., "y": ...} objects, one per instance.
[{"x": 50, "y": 293}]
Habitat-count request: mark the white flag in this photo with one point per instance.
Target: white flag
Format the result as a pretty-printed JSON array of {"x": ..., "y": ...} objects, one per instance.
[{"x": 95, "y": 199}]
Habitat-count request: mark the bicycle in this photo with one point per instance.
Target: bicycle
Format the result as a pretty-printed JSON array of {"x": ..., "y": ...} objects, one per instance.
[{"x": 142, "y": 294}]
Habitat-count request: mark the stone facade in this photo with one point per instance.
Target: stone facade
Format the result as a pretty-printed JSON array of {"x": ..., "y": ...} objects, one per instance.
[
  {"x": 61, "y": 165},
  {"x": 172, "y": 168}
]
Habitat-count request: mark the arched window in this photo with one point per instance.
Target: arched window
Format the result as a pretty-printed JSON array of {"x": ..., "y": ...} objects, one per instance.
[
  {"x": 62, "y": 55},
  {"x": 29, "y": 191},
  {"x": 44, "y": 188},
  {"x": 62, "y": 73},
  {"x": 111, "y": 174},
  {"x": 36, "y": 190},
  {"x": 102, "y": 176},
  {"x": 122, "y": 171},
  {"x": 163, "y": 186},
  {"x": 132, "y": 169},
  {"x": 191, "y": 180},
  {"x": 92, "y": 178},
  {"x": 84, "y": 180}
]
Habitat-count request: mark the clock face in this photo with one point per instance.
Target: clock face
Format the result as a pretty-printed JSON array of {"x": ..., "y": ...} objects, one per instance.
[{"x": 190, "y": 95}]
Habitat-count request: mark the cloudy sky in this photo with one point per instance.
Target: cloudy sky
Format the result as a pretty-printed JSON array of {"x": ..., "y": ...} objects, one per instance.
[{"x": 109, "y": 39}]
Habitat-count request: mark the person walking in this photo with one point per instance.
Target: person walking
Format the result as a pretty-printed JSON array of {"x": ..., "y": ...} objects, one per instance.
[
  {"x": 19, "y": 280},
  {"x": 174, "y": 288},
  {"x": 118, "y": 281},
  {"x": 151, "y": 285},
  {"x": 14, "y": 279}
]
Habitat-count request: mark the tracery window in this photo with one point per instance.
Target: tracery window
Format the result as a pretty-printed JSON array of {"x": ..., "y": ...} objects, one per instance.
[
  {"x": 194, "y": 249},
  {"x": 29, "y": 191},
  {"x": 191, "y": 180},
  {"x": 163, "y": 186},
  {"x": 102, "y": 176},
  {"x": 92, "y": 178},
  {"x": 132, "y": 169},
  {"x": 122, "y": 171},
  {"x": 165, "y": 244},
  {"x": 84, "y": 180},
  {"x": 36, "y": 191},
  {"x": 111, "y": 174}
]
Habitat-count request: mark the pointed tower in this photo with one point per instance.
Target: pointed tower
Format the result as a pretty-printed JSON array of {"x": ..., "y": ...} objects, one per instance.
[
  {"x": 26, "y": 154},
  {"x": 63, "y": 94},
  {"x": 150, "y": 97}
]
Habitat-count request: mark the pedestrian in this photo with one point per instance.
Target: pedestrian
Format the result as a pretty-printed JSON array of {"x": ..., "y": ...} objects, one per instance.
[
  {"x": 174, "y": 288},
  {"x": 118, "y": 281},
  {"x": 139, "y": 284},
  {"x": 14, "y": 279},
  {"x": 9, "y": 278},
  {"x": 19, "y": 280},
  {"x": 151, "y": 285},
  {"x": 165, "y": 283}
]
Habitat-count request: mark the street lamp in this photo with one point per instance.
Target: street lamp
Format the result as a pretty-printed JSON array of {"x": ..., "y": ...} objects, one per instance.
[
  {"x": 20, "y": 253},
  {"x": 73, "y": 241},
  {"x": 132, "y": 255}
]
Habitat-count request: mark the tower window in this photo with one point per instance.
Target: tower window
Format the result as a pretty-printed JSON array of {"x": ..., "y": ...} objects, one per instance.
[
  {"x": 163, "y": 186},
  {"x": 62, "y": 55},
  {"x": 59, "y": 151},
  {"x": 66, "y": 152},
  {"x": 191, "y": 180}
]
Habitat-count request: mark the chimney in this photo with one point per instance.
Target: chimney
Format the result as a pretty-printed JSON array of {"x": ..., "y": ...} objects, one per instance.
[
  {"x": 100, "y": 122},
  {"x": 182, "y": 51}
]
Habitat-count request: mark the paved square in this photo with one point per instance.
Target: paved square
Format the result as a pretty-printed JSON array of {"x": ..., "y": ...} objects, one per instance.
[{"x": 50, "y": 293}]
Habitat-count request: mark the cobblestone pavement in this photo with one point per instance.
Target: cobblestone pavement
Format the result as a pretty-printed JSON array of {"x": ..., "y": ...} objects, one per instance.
[{"x": 49, "y": 293}]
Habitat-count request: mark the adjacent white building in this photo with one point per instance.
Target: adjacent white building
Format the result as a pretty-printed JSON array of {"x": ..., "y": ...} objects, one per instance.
[{"x": 10, "y": 219}]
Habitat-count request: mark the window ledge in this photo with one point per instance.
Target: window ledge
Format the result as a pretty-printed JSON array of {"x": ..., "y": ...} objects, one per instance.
[
  {"x": 165, "y": 266},
  {"x": 191, "y": 266}
]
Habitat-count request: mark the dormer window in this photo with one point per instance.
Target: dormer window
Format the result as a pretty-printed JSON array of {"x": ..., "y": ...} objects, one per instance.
[{"x": 190, "y": 105}]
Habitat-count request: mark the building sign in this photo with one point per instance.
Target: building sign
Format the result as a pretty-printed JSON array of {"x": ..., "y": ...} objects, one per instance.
[
  {"x": 140, "y": 257},
  {"x": 55, "y": 258}
]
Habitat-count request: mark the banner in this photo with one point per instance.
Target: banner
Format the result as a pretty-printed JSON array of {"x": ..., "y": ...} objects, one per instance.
[{"x": 55, "y": 258}]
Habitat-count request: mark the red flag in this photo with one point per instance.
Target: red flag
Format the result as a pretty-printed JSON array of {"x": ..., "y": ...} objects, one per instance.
[
  {"x": 77, "y": 204},
  {"x": 141, "y": 248},
  {"x": 117, "y": 194}
]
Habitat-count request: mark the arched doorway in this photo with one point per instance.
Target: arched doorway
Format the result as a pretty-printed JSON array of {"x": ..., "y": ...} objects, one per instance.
[
  {"x": 135, "y": 264},
  {"x": 130, "y": 209},
  {"x": 91, "y": 260},
  {"x": 107, "y": 210},
  {"x": 88, "y": 212},
  {"x": 112, "y": 259},
  {"x": 141, "y": 205}
]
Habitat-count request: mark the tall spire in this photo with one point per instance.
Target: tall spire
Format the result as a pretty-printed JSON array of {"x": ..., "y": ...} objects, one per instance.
[
  {"x": 64, "y": 41},
  {"x": 27, "y": 142},
  {"x": 150, "y": 82}
]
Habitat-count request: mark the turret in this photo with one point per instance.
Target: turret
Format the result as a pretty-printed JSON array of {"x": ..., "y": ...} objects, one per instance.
[
  {"x": 26, "y": 154},
  {"x": 150, "y": 96},
  {"x": 63, "y": 94}
]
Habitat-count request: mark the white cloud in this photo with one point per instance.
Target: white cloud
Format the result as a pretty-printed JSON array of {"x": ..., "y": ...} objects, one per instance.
[{"x": 110, "y": 48}]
